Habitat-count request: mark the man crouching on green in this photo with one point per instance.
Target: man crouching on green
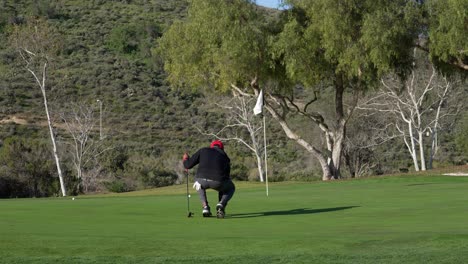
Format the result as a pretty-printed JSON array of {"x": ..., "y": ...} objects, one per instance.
[{"x": 213, "y": 173}]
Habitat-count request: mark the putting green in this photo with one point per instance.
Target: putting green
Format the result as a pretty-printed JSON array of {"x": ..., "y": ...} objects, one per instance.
[{"x": 410, "y": 219}]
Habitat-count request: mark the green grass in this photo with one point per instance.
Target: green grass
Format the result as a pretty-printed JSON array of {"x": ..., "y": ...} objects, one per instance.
[{"x": 400, "y": 219}]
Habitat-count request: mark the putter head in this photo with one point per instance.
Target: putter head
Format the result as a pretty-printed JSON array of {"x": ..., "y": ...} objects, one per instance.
[{"x": 190, "y": 214}]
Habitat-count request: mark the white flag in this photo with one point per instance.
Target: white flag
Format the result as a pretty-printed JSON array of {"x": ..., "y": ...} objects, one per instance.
[{"x": 258, "y": 109}]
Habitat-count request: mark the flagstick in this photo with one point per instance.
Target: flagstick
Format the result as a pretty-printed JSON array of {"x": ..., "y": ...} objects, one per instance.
[{"x": 265, "y": 146}]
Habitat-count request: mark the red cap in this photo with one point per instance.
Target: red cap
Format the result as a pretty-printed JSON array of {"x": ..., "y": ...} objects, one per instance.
[{"x": 217, "y": 143}]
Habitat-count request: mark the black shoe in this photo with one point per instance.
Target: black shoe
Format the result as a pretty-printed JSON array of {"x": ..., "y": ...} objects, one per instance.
[
  {"x": 220, "y": 211},
  {"x": 206, "y": 211}
]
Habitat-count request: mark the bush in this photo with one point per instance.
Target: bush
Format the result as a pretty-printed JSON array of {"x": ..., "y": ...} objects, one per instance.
[
  {"x": 12, "y": 188},
  {"x": 304, "y": 176},
  {"x": 117, "y": 186},
  {"x": 239, "y": 172},
  {"x": 461, "y": 137},
  {"x": 158, "y": 177},
  {"x": 116, "y": 159},
  {"x": 28, "y": 168},
  {"x": 124, "y": 39}
]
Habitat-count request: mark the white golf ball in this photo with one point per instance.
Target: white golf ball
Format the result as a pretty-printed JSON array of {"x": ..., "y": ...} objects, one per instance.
[
  {"x": 73, "y": 198},
  {"x": 189, "y": 196}
]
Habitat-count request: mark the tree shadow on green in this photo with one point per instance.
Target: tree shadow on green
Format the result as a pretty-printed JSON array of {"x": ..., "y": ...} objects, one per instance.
[
  {"x": 418, "y": 184},
  {"x": 299, "y": 211}
]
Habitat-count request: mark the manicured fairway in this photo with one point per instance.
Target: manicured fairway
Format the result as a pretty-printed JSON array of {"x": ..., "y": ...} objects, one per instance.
[{"x": 410, "y": 219}]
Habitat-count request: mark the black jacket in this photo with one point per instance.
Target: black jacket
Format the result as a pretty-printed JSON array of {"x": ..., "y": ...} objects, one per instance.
[{"x": 214, "y": 164}]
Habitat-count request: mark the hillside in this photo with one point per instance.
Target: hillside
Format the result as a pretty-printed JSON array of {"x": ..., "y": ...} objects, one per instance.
[
  {"x": 108, "y": 55},
  {"x": 89, "y": 68}
]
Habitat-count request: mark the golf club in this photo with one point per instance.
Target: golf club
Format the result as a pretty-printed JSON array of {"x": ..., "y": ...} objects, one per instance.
[{"x": 190, "y": 214}]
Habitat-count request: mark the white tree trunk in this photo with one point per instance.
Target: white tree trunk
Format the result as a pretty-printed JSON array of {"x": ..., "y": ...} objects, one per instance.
[
  {"x": 257, "y": 152},
  {"x": 434, "y": 133},
  {"x": 260, "y": 167},
  {"x": 433, "y": 148},
  {"x": 51, "y": 130},
  {"x": 412, "y": 147},
  {"x": 338, "y": 150},
  {"x": 329, "y": 140},
  {"x": 54, "y": 148},
  {"x": 421, "y": 151},
  {"x": 35, "y": 42},
  {"x": 326, "y": 173}
]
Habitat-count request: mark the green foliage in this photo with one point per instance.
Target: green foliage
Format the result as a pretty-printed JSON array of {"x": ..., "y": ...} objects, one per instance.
[
  {"x": 124, "y": 39},
  {"x": 461, "y": 135},
  {"x": 304, "y": 175},
  {"x": 356, "y": 39},
  {"x": 27, "y": 169},
  {"x": 43, "y": 8},
  {"x": 239, "y": 172},
  {"x": 115, "y": 159},
  {"x": 215, "y": 48},
  {"x": 117, "y": 186},
  {"x": 133, "y": 39},
  {"x": 157, "y": 177},
  {"x": 388, "y": 33},
  {"x": 448, "y": 30},
  {"x": 6, "y": 12}
]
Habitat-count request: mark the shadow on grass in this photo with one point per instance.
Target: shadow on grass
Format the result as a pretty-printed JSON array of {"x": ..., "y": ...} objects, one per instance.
[
  {"x": 300, "y": 211},
  {"x": 417, "y": 184}
]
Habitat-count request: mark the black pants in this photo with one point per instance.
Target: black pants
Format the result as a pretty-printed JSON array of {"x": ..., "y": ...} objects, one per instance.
[{"x": 225, "y": 190}]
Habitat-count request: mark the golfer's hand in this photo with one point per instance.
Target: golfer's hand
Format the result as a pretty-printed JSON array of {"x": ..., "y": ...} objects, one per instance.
[
  {"x": 197, "y": 186},
  {"x": 185, "y": 157}
]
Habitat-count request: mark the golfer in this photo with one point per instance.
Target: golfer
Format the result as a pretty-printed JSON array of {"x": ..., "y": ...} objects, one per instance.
[{"x": 213, "y": 171}]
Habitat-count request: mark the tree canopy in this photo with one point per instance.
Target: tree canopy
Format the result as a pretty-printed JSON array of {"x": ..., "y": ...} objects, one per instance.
[
  {"x": 356, "y": 39},
  {"x": 219, "y": 43},
  {"x": 448, "y": 31}
]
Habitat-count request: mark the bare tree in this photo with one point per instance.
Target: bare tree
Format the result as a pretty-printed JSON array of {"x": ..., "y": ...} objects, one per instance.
[
  {"x": 358, "y": 153},
  {"x": 37, "y": 43},
  {"x": 241, "y": 126},
  {"x": 91, "y": 178},
  {"x": 173, "y": 162},
  {"x": 415, "y": 108},
  {"x": 81, "y": 125}
]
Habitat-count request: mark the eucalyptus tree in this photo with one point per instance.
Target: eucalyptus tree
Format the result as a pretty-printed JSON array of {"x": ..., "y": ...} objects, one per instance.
[
  {"x": 344, "y": 44},
  {"x": 219, "y": 45},
  {"x": 445, "y": 31}
]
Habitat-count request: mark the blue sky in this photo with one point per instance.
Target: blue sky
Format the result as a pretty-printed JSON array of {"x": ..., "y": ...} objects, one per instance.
[{"x": 269, "y": 3}]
